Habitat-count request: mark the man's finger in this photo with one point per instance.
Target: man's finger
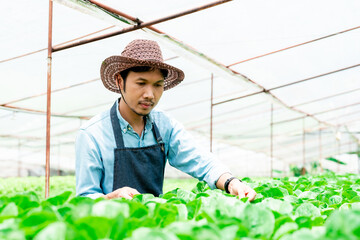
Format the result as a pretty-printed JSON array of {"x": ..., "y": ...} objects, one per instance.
[
  {"x": 127, "y": 196},
  {"x": 251, "y": 195},
  {"x": 134, "y": 191},
  {"x": 241, "y": 194}
]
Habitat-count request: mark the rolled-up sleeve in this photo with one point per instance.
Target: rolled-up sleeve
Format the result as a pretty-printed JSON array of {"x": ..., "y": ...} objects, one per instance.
[
  {"x": 184, "y": 155},
  {"x": 89, "y": 167}
]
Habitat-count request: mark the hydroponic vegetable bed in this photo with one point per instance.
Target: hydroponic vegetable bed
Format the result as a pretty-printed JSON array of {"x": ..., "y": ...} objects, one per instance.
[{"x": 322, "y": 207}]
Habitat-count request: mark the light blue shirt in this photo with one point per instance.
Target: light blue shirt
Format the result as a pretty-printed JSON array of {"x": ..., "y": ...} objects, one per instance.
[{"x": 95, "y": 146}]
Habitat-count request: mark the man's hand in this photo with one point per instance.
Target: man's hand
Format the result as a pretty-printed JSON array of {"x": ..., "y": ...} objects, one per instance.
[
  {"x": 236, "y": 187},
  {"x": 124, "y": 192},
  {"x": 242, "y": 190}
]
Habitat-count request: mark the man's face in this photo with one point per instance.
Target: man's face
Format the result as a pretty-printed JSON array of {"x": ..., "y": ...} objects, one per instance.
[{"x": 143, "y": 90}]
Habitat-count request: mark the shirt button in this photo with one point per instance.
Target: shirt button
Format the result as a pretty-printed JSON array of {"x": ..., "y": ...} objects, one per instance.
[{"x": 129, "y": 128}]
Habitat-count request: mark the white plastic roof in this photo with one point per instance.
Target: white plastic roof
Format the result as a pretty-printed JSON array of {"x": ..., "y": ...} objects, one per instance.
[{"x": 311, "y": 119}]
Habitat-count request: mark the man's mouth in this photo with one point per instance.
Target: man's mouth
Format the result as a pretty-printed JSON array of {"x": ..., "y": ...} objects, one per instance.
[{"x": 146, "y": 105}]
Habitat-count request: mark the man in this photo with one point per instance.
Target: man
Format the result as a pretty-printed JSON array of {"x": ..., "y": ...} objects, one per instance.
[{"x": 122, "y": 152}]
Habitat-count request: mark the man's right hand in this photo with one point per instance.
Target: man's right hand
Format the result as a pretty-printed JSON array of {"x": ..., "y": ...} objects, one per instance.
[{"x": 124, "y": 192}]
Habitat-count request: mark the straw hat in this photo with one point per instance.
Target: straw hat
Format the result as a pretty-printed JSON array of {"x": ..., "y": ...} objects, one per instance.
[{"x": 139, "y": 52}]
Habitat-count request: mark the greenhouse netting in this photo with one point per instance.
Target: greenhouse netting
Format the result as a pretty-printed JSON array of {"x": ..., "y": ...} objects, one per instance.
[{"x": 268, "y": 84}]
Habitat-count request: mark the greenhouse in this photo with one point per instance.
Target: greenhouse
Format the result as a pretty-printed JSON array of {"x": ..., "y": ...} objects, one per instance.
[{"x": 271, "y": 89}]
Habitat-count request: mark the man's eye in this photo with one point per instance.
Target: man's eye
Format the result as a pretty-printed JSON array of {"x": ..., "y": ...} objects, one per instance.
[{"x": 141, "y": 83}]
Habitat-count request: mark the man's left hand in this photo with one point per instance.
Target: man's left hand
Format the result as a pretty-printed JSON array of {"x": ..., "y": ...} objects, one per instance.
[{"x": 242, "y": 190}]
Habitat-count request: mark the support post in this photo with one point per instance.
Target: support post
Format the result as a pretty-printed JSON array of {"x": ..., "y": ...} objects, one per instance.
[
  {"x": 59, "y": 158},
  {"x": 303, "y": 169},
  {"x": 358, "y": 156},
  {"x": 48, "y": 102},
  {"x": 271, "y": 139},
  {"x": 338, "y": 144},
  {"x": 320, "y": 150},
  {"x": 19, "y": 157},
  {"x": 211, "y": 110},
  {"x": 349, "y": 152}
]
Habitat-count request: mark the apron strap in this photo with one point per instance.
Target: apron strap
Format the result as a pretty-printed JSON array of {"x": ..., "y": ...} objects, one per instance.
[
  {"x": 116, "y": 127},
  {"x": 158, "y": 138}
]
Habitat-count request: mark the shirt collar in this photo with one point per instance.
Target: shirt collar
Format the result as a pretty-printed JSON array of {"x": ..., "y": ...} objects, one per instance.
[{"x": 126, "y": 126}]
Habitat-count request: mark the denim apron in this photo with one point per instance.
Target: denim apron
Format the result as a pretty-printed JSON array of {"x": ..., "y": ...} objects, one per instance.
[{"x": 140, "y": 168}]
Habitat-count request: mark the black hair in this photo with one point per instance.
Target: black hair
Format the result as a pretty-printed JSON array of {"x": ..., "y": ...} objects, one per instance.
[{"x": 125, "y": 73}]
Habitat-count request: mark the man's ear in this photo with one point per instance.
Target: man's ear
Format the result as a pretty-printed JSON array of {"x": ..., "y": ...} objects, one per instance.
[{"x": 119, "y": 82}]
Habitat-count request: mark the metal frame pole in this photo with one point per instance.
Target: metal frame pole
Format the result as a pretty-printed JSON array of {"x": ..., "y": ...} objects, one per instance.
[
  {"x": 139, "y": 25},
  {"x": 211, "y": 110},
  {"x": 349, "y": 155},
  {"x": 358, "y": 156},
  {"x": 293, "y": 46},
  {"x": 303, "y": 143},
  {"x": 19, "y": 157},
  {"x": 271, "y": 139},
  {"x": 48, "y": 108},
  {"x": 320, "y": 150},
  {"x": 338, "y": 145},
  {"x": 58, "y": 158}
]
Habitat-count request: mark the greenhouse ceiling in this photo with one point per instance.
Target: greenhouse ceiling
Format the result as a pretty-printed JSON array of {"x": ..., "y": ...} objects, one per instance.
[{"x": 286, "y": 75}]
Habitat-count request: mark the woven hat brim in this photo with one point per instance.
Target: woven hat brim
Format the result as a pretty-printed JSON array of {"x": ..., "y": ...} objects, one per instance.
[{"x": 113, "y": 65}]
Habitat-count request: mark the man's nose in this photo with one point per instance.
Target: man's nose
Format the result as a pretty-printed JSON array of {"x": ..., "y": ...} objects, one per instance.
[{"x": 148, "y": 93}]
